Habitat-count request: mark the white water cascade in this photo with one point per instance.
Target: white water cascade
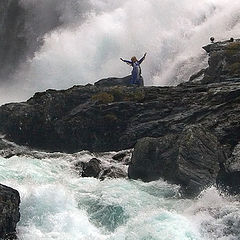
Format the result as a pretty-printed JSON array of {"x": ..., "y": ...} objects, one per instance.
[
  {"x": 96, "y": 33},
  {"x": 56, "y": 204}
]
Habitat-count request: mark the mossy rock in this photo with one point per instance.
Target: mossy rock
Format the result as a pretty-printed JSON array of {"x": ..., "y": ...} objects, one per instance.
[
  {"x": 234, "y": 68},
  {"x": 232, "y": 48},
  {"x": 138, "y": 95},
  {"x": 118, "y": 93},
  {"x": 103, "y": 97}
]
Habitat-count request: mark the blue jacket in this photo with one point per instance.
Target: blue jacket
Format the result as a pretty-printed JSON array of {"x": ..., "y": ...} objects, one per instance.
[{"x": 136, "y": 72}]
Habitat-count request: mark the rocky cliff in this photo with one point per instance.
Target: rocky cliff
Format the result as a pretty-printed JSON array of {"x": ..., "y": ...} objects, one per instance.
[{"x": 112, "y": 116}]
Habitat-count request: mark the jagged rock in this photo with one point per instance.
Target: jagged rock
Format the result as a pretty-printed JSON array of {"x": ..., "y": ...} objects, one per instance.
[
  {"x": 119, "y": 156},
  {"x": 9, "y": 212},
  {"x": 111, "y": 119},
  {"x": 198, "y": 76},
  {"x": 110, "y": 82},
  {"x": 113, "y": 172},
  {"x": 224, "y": 61},
  {"x": 91, "y": 168},
  {"x": 229, "y": 175},
  {"x": 123, "y": 156},
  {"x": 94, "y": 168},
  {"x": 190, "y": 159}
]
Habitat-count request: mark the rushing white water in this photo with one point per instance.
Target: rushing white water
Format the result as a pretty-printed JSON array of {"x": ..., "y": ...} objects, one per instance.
[
  {"x": 57, "y": 204},
  {"x": 96, "y": 33}
]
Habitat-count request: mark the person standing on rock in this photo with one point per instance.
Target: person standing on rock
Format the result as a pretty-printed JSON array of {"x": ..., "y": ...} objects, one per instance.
[{"x": 136, "y": 71}]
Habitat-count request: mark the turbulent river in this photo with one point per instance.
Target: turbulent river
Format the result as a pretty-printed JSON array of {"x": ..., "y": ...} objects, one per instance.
[{"x": 58, "y": 204}]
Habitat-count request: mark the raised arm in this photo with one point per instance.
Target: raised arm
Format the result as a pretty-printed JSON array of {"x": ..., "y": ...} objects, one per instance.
[
  {"x": 126, "y": 61},
  {"x": 141, "y": 60}
]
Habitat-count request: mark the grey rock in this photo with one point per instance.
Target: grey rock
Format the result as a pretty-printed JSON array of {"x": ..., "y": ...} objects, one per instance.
[
  {"x": 91, "y": 168},
  {"x": 224, "y": 58},
  {"x": 228, "y": 178},
  {"x": 190, "y": 159},
  {"x": 110, "y": 82},
  {"x": 113, "y": 172},
  {"x": 72, "y": 120},
  {"x": 9, "y": 212}
]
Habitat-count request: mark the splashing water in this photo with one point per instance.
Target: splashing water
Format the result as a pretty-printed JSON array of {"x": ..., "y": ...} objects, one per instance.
[
  {"x": 57, "y": 204},
  {"x": 95, "y": 34}
]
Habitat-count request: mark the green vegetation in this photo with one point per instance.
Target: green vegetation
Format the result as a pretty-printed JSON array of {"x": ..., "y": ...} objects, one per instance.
[
  {"x": 103, "y": 97},
  {"x": 138, "y": 95},
  {"x": 235, "y": 68},
  {"x": 118, "y": 94},
  {"x": 232, "y": 48}
]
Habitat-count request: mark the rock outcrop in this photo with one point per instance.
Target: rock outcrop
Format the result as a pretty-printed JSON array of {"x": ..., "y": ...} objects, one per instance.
[
  {"x": 228, "y": 177},
  {"x": 190, "y": 159},
  {"x": 94, "y": 168},
  {"x": 111, "y": 116},
  {"x": 110, "y": 82},
  {"x": 9, "y": 212},
  {"x": 114, "y": 118},
  {"x": 224, "y": 61}
]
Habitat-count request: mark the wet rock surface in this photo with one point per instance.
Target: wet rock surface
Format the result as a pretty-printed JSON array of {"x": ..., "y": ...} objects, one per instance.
[
  {"x": 224, "y": 61},
  {"x": 110, "y": 116},
  {"x": 106, "y": 119},
  {"x": 190, "y": 159},
  {"x": 95, "y": 168},
  {"x": 9, "y": 212}
]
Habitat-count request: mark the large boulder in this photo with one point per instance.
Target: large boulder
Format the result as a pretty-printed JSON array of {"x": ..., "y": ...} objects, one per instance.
[
  {"x": 9, "y": 211},
  {"x": 91, "y": 168},
  {"x": 190, "y": 159}
]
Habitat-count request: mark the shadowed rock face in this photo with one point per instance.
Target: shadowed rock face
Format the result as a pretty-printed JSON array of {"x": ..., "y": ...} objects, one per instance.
[
  {"x": 107, "y": 117},
  {"x": 190, "y": 159},
  {"x": 224, "y": 61},
  {"x": 114, "y": 118},
  {"x": 9, "y": 212}
]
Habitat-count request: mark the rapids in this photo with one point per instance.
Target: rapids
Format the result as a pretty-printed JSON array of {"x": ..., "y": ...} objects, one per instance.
[{"x": 57, "y": 204}]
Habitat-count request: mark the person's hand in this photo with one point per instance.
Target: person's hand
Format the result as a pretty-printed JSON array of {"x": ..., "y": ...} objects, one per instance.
[
  {"x": 121, "y": 59},
  {"x": 145, "y": 54}
]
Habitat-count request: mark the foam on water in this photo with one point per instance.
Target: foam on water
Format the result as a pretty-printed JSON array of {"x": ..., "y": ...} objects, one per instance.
[{"x": 57, "y": 204}]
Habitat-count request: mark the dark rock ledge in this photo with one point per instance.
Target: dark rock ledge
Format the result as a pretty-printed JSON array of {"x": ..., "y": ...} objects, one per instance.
[
  {"x": 9, "y": 212},
  {"x": 192, "y": 129}
]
